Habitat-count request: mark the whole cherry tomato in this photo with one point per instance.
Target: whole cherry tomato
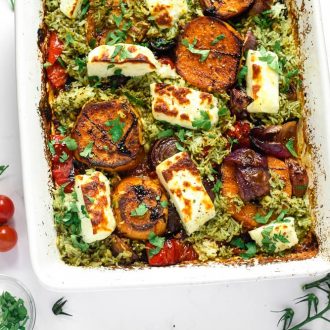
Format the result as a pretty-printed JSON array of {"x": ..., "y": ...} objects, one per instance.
[
  {"x": 57, "y": 75},
  {"x": 8, "y": 238},
  {"x": 7, "y": 209}
]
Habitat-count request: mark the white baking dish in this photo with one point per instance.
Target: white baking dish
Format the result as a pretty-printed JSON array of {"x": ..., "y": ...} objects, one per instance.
[{"x": 46, "y": 261}]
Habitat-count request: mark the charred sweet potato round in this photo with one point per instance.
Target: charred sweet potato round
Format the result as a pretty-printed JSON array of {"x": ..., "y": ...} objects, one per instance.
[
  {"x": 108, "y": 136},
  {"x": 140, "y": 207},
  {"x": 218, "y": 70},
  {"x": 226, "y": 9}
]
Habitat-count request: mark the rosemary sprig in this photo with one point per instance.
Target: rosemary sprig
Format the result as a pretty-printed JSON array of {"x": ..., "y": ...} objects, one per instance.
[
  {"x": 3, "y": 168},
  {"x": 312, "y": 303},
  {"x": 58, "y": 307}
]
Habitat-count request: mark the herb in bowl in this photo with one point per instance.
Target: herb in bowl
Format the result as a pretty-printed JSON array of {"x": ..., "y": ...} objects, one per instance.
[{"x": 13, "y": 313}]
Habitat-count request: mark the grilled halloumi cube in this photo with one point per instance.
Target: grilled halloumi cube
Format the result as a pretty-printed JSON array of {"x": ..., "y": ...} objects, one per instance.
[
  {"x": 71, "y": 8},
  {"x": 93, "y": 202},
  {"x": 182, "y": 180},
  {"x": 167, "y": 12},
  {"x": 276, "y": 236},
  {"x": 182, "y": 106},
  {"x": 262, "y": 82},
  {"x": 126, "y": 59}
]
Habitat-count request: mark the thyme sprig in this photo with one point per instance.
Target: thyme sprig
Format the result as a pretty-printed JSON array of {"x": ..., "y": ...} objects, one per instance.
[
  {"x": 312, "y": 303},
  {"x": 58, "y": 307},
  {"x": 3, "y": 168}
]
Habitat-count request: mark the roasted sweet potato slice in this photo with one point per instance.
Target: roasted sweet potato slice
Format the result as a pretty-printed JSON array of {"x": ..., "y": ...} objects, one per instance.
[
  {"x": 246, "y": 214},
  {"x": 108, "y": 136},
  {"x": 218, "y": 71},
  {"x": 140, "y": 207},
  {"x": 226, "y": 9}
]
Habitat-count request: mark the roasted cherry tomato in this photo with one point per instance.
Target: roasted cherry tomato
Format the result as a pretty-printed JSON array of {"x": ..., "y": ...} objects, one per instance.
[
  {"x": 240, "y": 135},
  {"x": 55, "y": 48},
  {"x": 8, "y": 238},
  {"x": 173, "y": 252},
  {"x": 63, "y": 171},
  {"x": 7, "y": 209},
  {"x": 57, "y": 75},
  {"x": 166, "y": 61}
]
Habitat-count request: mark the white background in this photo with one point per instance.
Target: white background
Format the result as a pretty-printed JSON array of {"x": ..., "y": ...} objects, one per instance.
[{"x": 227, "y": 307}]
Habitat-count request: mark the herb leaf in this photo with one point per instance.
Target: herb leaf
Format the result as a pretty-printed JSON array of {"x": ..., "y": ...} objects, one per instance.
[
  {"x": 250, "y": 252},
  {"x": 116, "y": 129},
  {"x": 217, "y": 39},
  {"x": 156, "y": 241},
  {"x": 179, "y": 146},
  {"x": 204, "y": 53},
  {"x": 58, "y": 307},
  {"x": 203, "y": 122},
  {"x": 167, "y": 133},
  {"x": 87, "y": 152},
  {"x": 79, "y": 244},
  {"x": 3, "y": 168},
  {"x": 70, "y": 143},
  {"x": 242, "y": 74},
  {"x": 140, "y": 211},
  {"x": 217, "y": 187},
  {"x": 290, "y": 146},
  {"x": 263, "y": 218},
  {"x": 64, "y": 157},
  {"x": 164, "y": 204},
  {"x": 238, "y": 242}
]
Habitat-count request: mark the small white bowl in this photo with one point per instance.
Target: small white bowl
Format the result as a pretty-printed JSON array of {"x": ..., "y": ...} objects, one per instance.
[{"x": 18, "y": 290}]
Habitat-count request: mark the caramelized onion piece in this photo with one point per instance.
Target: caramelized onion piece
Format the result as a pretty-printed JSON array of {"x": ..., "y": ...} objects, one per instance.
[
  {"x": 173, "y": 222},
  {"x": 250, "y": 42},
  {"x": 119, "y": 246},
  {"x": 246, "y": 158},
  {"x": 161, "y": 150},
  {"x": 239, "y": 101},
  {"x": 253, "y": 182},
  {"x": 260, "y": 6},
  {"x": 298, "y": 177}
]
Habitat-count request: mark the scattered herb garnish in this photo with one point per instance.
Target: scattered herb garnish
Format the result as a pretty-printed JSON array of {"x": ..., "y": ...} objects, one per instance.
[
  {"x": 179, "y": 146},
  {"x": 116, "y": 129},
  {"x": 140, "y": 211},
  {"x": 70, "y": 143},
  {"x": 281, "y": 216},
  {"x": 313, "y": 312},
  {"x": 118, "y": 36},
  {"x": 217, "y": 187},
  {"x": 204, "y": 53},
  {"x": 51, "y": 147},
  {"x": 167, "y": 133},
  {"x": 3, "y": 168},
  {"x": 64, "y": 157},
  {"x": 62, "y": 130},
  {"x": 250, "y": 247},
  {"x": 94, "y": 81},
  {"x": 232, "y": 141},
  {"x": 264, "y": 19},
  {"x": 203, "y": 122},
  {"x": 290, "y": 147},
  {"x": 77, "y": 243},
  {"x": 164, "y": 204},
  {"x": 69, "y": 39},
  {"x": 13, "y": 313},
  {"x": 181, "y": 135},
  {"x": 84, "y": 8},
  {"x": 47, "y": 65},
  {"x": 122, "y": 52},
  {"x": 81, "y": 64},
  {"x": 217, "y": 39},
  {"x": 117, "y": 19},
  {"x": 263, "y": 219},
  {"x": 87, "y": 152},
  {"x": 156, "y": 241},
  {"x": 224, "y": 111},
  {"x": 62, "y": 63},
  {"x": 134, "y": 99},
  {"x": 242, "y": 74},
  {"x": 271, "y": 59},
  {"x": 91, "y": 199},
  {"x": 58, "y": 307}
]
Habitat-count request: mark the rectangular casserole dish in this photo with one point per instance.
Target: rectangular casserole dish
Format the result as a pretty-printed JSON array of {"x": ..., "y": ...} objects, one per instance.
[{"x": 55, "y": 274}]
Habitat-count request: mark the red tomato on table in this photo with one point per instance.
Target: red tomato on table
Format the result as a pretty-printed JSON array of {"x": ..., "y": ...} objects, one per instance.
[
  {"x": 7, "y": 209},
  {"x": 8, "y": 238}
]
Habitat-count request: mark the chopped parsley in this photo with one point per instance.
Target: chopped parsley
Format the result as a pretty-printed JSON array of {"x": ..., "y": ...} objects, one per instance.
[
  {"x": 51, "y": 147},
  {"x": 119, "y": 35},
  {"x": 87, "y": 152},
  {"x": 271, "y": 59},
  {"x": 14, "y": 314},
  {"x": 290, "y": 146},
  {"x": 140, "y": 211},
  {"x": 263, "y": 219},
  {"x": 164, "y": 204},
  {"x": 242, "y": 74},
  {"x": 224, "y": 111},
  {"x": 281, "y": 216},
  {"x": 179, "y": 146},
  {"x": 238, "y": 242},
  {"x": 70, "y": 143},
  {"x": 62, "y": 130},
  {"x": 217, "y": 39},
  {"x": 62, "y": 63},
  {"x": 80, "y": 63},
  {"x": 84, "y": 9},
  {"x": 78, "y": 243},
  {"x": 134, "y": 100},
  {"x": 116, "y": 129},
  {"x": 117, "y": 19},
  {"x": 167, "y": 133},
  {"x": 217, "y": 187},
  {"x": 181, "y": 135},
  {"x": 3, "y": 168},
  {"x": 157, "y": 242},
  {"x": 250, "y": 252},
  {"x": 91, "y": 199},
  {"x": 64, "y": 157},
  {"x": 69, "y": 39},
  {"x": 203, "y": 122},
  {"x": 204, "y": 53}
]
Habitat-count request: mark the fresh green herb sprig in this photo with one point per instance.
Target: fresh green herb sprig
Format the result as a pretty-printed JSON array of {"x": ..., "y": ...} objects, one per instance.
[
  {"x": 58, "y": 307},
  {"x": 116, "y": 129},
  {"x": 140, "y": 211},
  {"x": 13, "y": 313},
  {"x": 250, "y": 247},
  {"x": 312, "y": 300},
  {"x": 203, "y": 122},
  {"x": 157, "y": 242},
  {"x": 290, "y": 146},
  {"x": 3, "y": 169},
  {"x": 204, "y": 53}
]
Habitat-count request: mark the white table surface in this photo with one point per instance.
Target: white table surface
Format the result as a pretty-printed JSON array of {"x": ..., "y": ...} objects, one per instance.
[{"x": 226, "y": 307}]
